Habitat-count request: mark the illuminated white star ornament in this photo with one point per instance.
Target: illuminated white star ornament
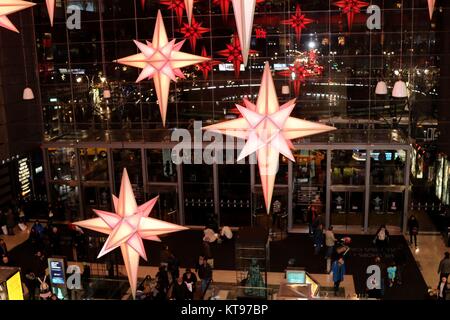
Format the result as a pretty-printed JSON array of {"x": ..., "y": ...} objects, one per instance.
[
  {"x": 127, "y": 227},
  {"x": 161, "y": 60},
  {"x": 244, "y": 12},
  {"x": 11, "y": 6},
  {"x": 50, "y": 9},
  {"x": 268, "y": 129}
]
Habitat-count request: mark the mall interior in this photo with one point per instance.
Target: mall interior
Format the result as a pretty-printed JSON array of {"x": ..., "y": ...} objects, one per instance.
[{"x": 73, "y": 117}]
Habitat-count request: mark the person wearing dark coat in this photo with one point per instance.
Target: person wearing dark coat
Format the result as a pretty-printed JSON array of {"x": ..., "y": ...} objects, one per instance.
[
  {"x": 162, "y": 282},
  {"x": 32, "y": 284},
  {"x": 3, "y": 248},
  {"x": 180, "y": 290},
  {"x": 318, "y": 239},
  {"x": 382, "y": 240},
  {"x": 10, "y": 222},
  {"x": 413, "y": 228},
  {"x": 191, "y": 281}
]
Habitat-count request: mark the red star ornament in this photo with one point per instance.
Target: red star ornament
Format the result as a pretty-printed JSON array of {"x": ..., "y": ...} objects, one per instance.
[
  {"x": 350, "y": 8},
  {"x": 233, "y": 53},
  {"x": 193, "y": 32},
  {"x": 206, "y": 66},
  {"x": 298, "y": 21}
]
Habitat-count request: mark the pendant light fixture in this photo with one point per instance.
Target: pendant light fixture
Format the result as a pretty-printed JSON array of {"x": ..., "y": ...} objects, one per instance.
[
  {"x": 400, "y": 90},
  {"x": 27, "y": 92},
  {"x": 381, "y": 88}
]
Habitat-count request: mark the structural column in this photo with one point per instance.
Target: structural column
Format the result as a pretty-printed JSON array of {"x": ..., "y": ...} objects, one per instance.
[
  {"x": 216, "y": 191},
  {"x": 328, "y": 191},
  {"x": 407, "y": 190},
  {"x": 290, "y": 195},
  {"x": 367, "y": 191},
  {"x": 181, "y": 218}
]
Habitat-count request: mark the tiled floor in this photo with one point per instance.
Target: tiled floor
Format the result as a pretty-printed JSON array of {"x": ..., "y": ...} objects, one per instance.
[{"x": 430, "y": 251}]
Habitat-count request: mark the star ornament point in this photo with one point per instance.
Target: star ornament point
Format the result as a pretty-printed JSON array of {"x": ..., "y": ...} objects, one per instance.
[
  {"x": 11, "y": 6},
  {"x": 161, "y": 61},
  {"x": 268, "y": 130},
  {"x": 127, "y": 227}
]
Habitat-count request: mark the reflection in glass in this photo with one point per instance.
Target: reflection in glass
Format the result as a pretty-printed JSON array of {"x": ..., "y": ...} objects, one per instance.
[
  {"x": 94, "y": 164},
  {"x": 387, "y": 167},
  {"x": 65, "y": 202},
  {"x": 309, "y": 174},
  {"x": 131, "y": 160},
  {"x": 348, "y": 167},
  {"x": 62, "y": 164},
  {"x": 160, "y": 166}
]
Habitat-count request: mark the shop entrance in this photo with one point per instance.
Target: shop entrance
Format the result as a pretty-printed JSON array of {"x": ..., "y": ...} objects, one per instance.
[
  {"x": 386, "y": 206},
  {"x": 96, "y": 197},
  {"x": 347, "y": 206}
]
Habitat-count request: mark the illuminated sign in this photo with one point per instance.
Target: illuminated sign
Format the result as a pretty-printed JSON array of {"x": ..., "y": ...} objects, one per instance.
[
  {"x": 24, "y": 176},
  {"x": 56, "y": 270},
  {"x": 14, "y": 287},
  {"x": 229, "y": 67}
]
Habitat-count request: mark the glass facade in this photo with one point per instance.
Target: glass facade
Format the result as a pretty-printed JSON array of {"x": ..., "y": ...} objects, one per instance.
[{"x": 356, "y": 176}]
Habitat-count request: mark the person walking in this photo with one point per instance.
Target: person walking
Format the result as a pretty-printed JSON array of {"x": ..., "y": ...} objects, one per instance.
[
  {"x": 3, "y": 248},
  {"x": 10, "y": 221},
  {"x": 162, "y": 282},
  {"x": 413, "y": 228},
  {"x": 310, "y": 217},
  {"x": 191, "y": 282},
  {"x": 442, "y": 289},
  {"x": 174, "y": 267},
  {"x": 205, "y": 274},
  {"x": 31, "y": 283},
  {"x": 165, "y": 256},
  {"x": 318, "y": 239},
  {"x": 330, "y": 242},
  {"x": 392, "y": 271},
  {"x": 381, "y": 240},
  {"x": 338, "y": 270},
  {"x": 180, "y": 290},
  {"x": 444, "y": 266}
]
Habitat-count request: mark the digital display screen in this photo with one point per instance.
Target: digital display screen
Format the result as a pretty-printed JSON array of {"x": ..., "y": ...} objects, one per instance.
[
  {"x": 56, "y": 268},
  {"x": 296, "y": 277}
]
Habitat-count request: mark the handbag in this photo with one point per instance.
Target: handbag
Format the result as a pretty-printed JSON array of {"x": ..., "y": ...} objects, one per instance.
[
  {"x": 414, "y": 231},
  {"x": 5, "y": 230},
  {"x": 22, "y": 226}
]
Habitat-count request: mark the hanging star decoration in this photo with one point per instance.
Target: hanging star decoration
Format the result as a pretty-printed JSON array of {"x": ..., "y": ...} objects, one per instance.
[
  {"x": 50, "y": 9},
  {"x": 127, "y": 227},
  {"x": 350, "y": 8},
  {"x": 268, "y": 129},
  {"x": 297, "y": 73},
  {"x": 161, "y": 61},
  {"x": 234, "y": 55},
  {"x": 189, "y": 5},
  {"x": 143, "y": 4},
  {"x": 206, "y": 66},
  {"x": 305, "y": 66},
  {"x": 244, "y": 13},
  {"x": 193, "y": 32},
  {"x": 431, "y": 4},
  {"x": 225, "y": 7},
  {"x": 298, "y": 22},
  {"x": 12, "y": 6},
  {"x": 178, "y": 6}
]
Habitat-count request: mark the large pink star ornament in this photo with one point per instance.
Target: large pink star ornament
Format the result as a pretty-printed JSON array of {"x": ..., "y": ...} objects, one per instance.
[
  {"x": 268, "y": 129},
  {"x": 11, "y": 6},
  {"x": 161, "y": 61},
  {"x": 127, "y": 227}
]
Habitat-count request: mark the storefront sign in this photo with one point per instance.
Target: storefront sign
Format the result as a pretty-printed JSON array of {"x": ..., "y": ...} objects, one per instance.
[{"x": 24, "y": 176}]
